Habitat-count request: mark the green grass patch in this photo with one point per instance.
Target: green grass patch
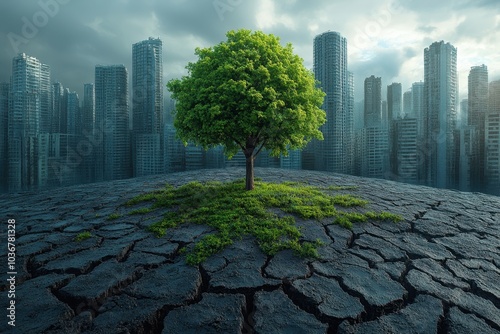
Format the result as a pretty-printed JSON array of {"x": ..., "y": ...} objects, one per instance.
[
  {"x": 235, "y": 213},
  {"x": 113, "y": 216},
  {"x": 140, "y": 211},
  {"x": 83, "y": 236}
]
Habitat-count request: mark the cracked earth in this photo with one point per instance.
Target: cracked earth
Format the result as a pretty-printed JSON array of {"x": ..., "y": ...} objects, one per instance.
[{"x": 438, "y": 271}]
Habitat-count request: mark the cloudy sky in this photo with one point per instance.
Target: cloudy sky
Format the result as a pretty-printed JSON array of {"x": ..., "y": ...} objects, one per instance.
[{"x": 385, "y": 38}]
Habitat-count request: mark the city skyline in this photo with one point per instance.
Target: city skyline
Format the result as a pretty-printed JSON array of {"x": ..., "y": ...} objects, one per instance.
[
  {"x": 385, "y": 39},
  {"x": 42, "y": 141}
]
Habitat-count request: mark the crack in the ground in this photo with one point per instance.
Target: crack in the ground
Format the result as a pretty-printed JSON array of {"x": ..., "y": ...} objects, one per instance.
[
  {"x": 248, "y": 312},
  {"x": 307, "y": 305}
]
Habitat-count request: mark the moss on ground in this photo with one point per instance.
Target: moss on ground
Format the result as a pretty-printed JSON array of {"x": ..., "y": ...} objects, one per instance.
[
  {"x": 83, "y": 236},
  {"x": 235, "y": 212}
]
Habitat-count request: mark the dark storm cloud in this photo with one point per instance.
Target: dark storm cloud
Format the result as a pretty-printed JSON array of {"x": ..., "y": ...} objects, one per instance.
[
  {"x": 79, "y": 34},
  {"x": 82, "y": 34}
]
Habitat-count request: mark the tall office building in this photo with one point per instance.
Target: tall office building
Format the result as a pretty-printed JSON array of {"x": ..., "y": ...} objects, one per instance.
[
  {"x": 375, "y": 152},
  {"x": 417, "y": 112},
  {"x": 28, "y": 103},
  {"x": 59, "y": 105},
  {"x": 374, "y": 137},
  {"x": 394, "y": 101},
  {"x": 405, "y": 150},
  {"x": 440, "y": 109},
  {"x": 373, "y": 102},
  {"x": 73, "y": 126},
  {"x": 87, "y": 131},
  {"x": 88, "y": 108},
  {"x": 334, "y": 153},
  {"x": 4, "y": 114},
  {"x": 349, "y": 129},
  {"x": 417, "y": 102},
  {"x": 465, "y": 137},
  {"x": 477, "y": 109},
  {"x": 147, "y": 107},
  {"x": 464, "y": 113},
  {"x": 394, "y": 110},
  {"x": 112, "y": 123},
  {"x": 407, "y": 99},
  {"x": 45, "y": 99},
  {"x": 492, "y": 133}
]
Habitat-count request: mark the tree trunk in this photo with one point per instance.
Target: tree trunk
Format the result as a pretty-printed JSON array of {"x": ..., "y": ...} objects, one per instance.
[{"x": 249, "y": 184}]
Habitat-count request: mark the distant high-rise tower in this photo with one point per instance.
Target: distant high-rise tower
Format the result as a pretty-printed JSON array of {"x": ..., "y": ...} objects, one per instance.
[
  {"x": 88, "y": 108},
  {"x": 394, "y": 101},
  {"x": 147, "y": 107},
  {"x": 59, "y": 116},
  {"x": 417, "y": 107},
  {"x": 492, "y": 131},
  {"x": 29, "y": 110},
  {"x": 4, "y": 116},
  {"x": 73, "y": 108},
  {"x": 405, "y": 150},
  {"x": 374, "y": 137},
  {"x": 87, "y": 131},
  {"x": 394, "y": 110},
  {"x": 112, "y": 123},
  {"x": 477, "y": 109},
  {"x": 373, "y": 102},
  {"x": 334, "y": 153},
  {"x": 440, "y": 109},
  {"x": 407, "y": 99}
]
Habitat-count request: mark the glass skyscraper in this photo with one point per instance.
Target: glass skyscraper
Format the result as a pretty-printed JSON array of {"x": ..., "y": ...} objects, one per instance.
[
  {"x": 440, "y": 114},
  {"x": 29, "y": 110},
  {"x": 335, "y": 152},
  {"x": 373, "y": 102},
  {"x": 476, "y": 118},
  {"x": 147, "y": 107},
  {"x": 374, "y": 138},
  {"x": 112, "y": 159}
]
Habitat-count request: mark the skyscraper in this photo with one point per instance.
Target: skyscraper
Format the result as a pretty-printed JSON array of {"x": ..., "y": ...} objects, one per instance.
[
  {"x": 394, "y": 110},
  {"x": 88, "y": 120},
  {"x": 394, "y": 101},
  {"x": 417, "y": 104},
  {"x": 492, "y": 148},
  {"x": 374, "y": 138},
  {"x": 407, "y": 99},
  {"x": 88, "y": 107},
  {"x": 30, "y": 88},
  {"x": 59, "y": 116},
  {"x": 73, "y": 109},
  {"x": 477, "y": 109},
  {"x": 147, "y": 107},
  {"x": 373, "y": 102},
  {"x": 112, "y": 123},
  {"x": 440, "y": 109},
  {"x": 405, "y": 149},
  {"x": 334, "y": 153},
  {"x": 374, "y": 152}
]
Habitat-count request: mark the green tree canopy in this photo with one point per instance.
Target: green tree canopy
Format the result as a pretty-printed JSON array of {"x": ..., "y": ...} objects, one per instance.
[{"x": 248, "y": 93}]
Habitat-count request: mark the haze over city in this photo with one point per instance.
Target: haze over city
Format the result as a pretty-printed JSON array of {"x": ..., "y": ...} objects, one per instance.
[{"x": 384, "y": 38}]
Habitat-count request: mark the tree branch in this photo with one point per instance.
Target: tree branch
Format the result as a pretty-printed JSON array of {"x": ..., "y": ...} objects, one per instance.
[
  {"x": 261, "y": 147},
  {"x": 237, "y": 142}
]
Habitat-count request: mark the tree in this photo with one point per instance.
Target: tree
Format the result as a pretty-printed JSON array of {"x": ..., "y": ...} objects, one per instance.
[{"x": 248, "y": 93}]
